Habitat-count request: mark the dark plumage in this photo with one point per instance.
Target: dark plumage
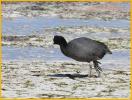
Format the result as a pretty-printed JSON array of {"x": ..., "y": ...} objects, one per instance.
[{"x": 83, "y": 49}]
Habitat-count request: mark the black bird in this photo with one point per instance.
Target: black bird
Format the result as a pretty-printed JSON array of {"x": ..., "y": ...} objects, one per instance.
[{"x": 83, "y": 49}]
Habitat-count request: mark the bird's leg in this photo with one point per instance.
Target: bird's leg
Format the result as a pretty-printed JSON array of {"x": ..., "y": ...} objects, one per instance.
[
  {"x": 90, "y": 70},
  {"x": 97, "y": 68}
]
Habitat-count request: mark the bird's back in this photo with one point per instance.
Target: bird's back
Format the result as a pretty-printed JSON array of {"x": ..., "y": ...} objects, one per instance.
[{"x": 85, "y": 49}]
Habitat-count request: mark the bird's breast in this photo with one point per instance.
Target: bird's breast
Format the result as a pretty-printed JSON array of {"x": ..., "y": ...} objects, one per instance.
[{"x": 75, "y": 54}]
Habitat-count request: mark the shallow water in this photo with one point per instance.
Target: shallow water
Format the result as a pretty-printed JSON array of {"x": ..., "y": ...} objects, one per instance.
[
  {"x": 23, "y": 76},
  {"x": 125, "y": 6},
  {"x": 19, "y": 53},
  {"x": 52, "y": 54},
  {"x": 27, "y": 26}
]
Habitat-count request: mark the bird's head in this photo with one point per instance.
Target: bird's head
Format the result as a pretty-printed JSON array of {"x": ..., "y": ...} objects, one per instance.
[{"x": 60, "y": 40}]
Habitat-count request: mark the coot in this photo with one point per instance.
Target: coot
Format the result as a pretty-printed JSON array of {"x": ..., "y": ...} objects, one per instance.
[{"x": 83, "y": 49}]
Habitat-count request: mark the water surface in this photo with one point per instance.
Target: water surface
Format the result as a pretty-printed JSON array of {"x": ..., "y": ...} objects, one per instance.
[
  {"x": 51, "y": 54},
  {"x": 27, "y": 26}
]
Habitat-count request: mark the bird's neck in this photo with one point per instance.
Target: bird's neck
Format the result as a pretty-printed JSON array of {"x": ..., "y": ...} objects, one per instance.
[
  {"x": 63, "y": 44},
  {"x": 63, "y": 48}
]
